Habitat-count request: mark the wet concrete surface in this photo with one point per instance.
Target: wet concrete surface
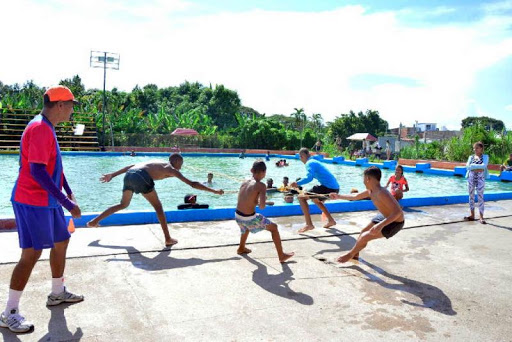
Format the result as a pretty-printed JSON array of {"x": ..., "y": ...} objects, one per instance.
[{"x": 439, "y": 279}]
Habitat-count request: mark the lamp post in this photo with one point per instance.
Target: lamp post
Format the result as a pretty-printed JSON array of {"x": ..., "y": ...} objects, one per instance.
[{"x": 110, "y": 60}]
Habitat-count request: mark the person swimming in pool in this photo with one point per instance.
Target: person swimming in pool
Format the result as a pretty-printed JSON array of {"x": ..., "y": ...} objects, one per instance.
[
  {"x": 209, "y": 179},
  {"x": 270, "y": 183},
  {"x": 286, "y": 185},
  {"x": 140, "y": 178},
  {"x": 190, "y": 202}
]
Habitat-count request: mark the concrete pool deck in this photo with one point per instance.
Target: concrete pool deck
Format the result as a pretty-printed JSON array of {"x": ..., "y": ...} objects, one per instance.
[{"x": 439, "y": 279}]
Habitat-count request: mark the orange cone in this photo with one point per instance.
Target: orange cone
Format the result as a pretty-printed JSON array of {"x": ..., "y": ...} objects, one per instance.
[{"x": 71, "y": 226}]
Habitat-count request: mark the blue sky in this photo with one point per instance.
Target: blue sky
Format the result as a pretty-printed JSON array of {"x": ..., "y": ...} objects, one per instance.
[{"x": 434, "y": 61}]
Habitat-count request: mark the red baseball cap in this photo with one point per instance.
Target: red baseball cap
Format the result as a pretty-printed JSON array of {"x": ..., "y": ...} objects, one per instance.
[{"x": 59, "y": 93}]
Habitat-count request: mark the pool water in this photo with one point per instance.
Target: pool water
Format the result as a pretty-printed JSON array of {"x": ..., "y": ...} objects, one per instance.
[{"x": 83, "y": 173}]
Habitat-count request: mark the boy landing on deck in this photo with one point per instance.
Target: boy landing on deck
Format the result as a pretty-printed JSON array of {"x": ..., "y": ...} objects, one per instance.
[
  {"x": 140, "y": 178},
  {"x": 253, "y": 192}
]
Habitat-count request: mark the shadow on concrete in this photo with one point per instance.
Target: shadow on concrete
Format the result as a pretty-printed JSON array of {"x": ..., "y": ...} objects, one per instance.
[
  {"x": 344, "y": 243},
  {"x": 8, "y": 336},
  {"x": 57, "y": 326},
  {"x": 277, "y": 284},
  {"x": 411, "y": 210},
  {"x": 431, "y": 296},
  {"x": 162, "y": 261},
  {"x": 499, "y": 226}
]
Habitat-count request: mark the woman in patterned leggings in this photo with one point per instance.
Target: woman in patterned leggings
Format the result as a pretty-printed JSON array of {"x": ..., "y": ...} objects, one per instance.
[{"x": 476, "y": 174}]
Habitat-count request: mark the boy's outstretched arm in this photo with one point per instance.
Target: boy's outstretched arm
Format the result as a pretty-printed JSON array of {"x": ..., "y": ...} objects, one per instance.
[
  {"x": 108, "y": 176},
  {"x": 195, "y": 185},
  {"x": 262, "y": 198},
  {"x": 352, "y": 197}
]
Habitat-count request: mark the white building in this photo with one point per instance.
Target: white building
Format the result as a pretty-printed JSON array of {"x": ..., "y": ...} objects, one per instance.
[{"x": 424, "y": 127}]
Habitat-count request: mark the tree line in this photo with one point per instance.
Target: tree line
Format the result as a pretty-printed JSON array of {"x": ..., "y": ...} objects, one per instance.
[
  {"x": 147, "y": 115},
  {"x": 216, "y": 112}
]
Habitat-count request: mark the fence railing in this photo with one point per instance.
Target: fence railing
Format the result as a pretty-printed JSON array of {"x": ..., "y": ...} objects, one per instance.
[{"x": 13, "y": 122}]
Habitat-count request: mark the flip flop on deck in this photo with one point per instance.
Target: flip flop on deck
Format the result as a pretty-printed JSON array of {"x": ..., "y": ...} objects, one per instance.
[{"x": 469, "y": 218}]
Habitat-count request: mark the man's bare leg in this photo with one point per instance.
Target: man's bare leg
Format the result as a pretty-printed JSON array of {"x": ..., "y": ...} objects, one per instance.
[
  {"x": 360, "y": 244},
  {"x": 58, "y": 258},
  {"x": 125, "y": 202},
  {"x": 305, "y": 209},
  {"x": 330, "y": 220},
  {"x": 365, "y": 229},
  {"x": 243, "y": 239},
  {"x": 283, "y": 257},
  {"x": 152, "y": 198},
  {"x": 23, "y": 269}
]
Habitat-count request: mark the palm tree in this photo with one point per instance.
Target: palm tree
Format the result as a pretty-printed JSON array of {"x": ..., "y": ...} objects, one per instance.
[
  {"x": 300, "y": 121},
  {"x": 317, "y": 124}
]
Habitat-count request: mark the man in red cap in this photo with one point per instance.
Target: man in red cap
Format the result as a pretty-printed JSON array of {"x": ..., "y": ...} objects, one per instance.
[{"x": 37, "y": 201}]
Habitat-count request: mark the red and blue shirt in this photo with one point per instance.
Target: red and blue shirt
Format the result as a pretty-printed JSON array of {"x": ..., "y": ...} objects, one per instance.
[{"x": 38, "y": 145}]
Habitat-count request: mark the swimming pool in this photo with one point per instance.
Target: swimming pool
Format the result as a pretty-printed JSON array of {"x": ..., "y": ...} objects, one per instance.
[{"x": 83, "y": 174}]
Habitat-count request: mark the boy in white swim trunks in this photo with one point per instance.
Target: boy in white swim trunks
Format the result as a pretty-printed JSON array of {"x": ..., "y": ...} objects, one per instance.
[{"x": 253, "y": 192}]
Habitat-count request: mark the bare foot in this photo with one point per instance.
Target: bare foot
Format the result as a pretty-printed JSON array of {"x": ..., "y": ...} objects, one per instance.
[
  {"x": 285, "y": 257},
  {"x": 482, "y": 221},
  {"x": 169, "y": 243},
  {"x": 243, "y": 251},
  {"x": 344, "y": 258},
  {"x": 92, "y": 224},
  {"x": 306, "y": 228},
  {"x": 330, "y": 224},
  {"x": 356, "y": 257}
]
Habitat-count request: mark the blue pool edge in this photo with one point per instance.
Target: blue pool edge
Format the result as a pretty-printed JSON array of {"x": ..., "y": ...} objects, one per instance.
[
  {"x": 219, "y": 214},
  {"x": 227, "y": 213}
]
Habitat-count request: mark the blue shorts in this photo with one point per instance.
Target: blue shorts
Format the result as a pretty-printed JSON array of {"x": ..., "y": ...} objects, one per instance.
[{"x": 39, "y": 227}]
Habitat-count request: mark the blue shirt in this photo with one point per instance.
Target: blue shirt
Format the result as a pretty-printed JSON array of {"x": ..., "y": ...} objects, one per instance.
[{"x": 318, "y": 171}]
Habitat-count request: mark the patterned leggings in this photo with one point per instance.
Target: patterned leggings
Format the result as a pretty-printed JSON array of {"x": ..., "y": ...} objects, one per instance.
[{"x": 476, "y": 180}]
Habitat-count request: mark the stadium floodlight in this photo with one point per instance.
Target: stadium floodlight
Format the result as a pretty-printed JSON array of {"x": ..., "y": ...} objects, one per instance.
[{"x": 105, "y": 60}]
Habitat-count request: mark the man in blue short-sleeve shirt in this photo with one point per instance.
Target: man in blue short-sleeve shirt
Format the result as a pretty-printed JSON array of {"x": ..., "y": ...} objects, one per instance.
[{"x": 328, "y": 184}]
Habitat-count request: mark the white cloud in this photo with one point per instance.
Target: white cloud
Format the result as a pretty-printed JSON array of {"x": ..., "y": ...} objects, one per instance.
[
  {"x": 497, "y": 7},
  {"x": 275, "y": 60}
]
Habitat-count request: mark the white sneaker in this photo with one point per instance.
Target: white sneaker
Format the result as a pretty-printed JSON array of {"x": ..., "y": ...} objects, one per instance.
[
  {"x": 64, "y": 297},
  {"x": 15, "y": 322}
]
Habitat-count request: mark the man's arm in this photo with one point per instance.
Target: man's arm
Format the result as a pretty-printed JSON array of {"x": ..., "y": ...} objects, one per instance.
[
  {"x": 262, "y": 198},
  {"x": 68, "y": 190},
  {"x": 352, "y": 197},
  {"x": 66, "y": 187},
  {"x": 308, "y": 178},
  {"x": 108, "y": 177},
  {"x": 39, "y": 173},
  {"x": 195, "y": 185}
]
